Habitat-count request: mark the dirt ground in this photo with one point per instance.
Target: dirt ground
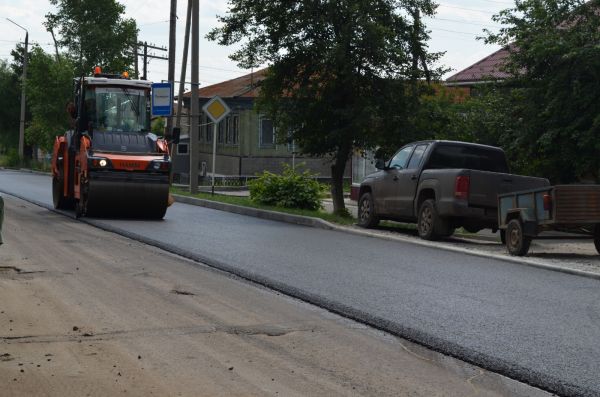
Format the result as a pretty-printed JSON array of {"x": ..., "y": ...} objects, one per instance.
[{"x": 88, "y": 313}]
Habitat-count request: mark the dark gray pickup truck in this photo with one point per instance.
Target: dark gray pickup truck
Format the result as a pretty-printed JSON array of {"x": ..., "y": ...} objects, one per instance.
[{"x": 440, "y": 185}]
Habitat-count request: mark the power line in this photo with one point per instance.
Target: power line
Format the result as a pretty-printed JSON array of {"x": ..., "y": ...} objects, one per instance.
[
  {"x": 467, "y": 9},
  {"x": 463, "y": 22}
]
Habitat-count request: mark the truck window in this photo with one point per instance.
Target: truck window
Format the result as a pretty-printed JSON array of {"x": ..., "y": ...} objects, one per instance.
[
  {"x": 401, "y": 158},
  {"x": 469, "y": 157},
  {"x": 417, "y": 156}
]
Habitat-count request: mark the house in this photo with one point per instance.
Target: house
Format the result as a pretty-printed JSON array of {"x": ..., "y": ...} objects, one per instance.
[
  {"x": 487, "y": 70},
  {"x": 246, "y": 140}
]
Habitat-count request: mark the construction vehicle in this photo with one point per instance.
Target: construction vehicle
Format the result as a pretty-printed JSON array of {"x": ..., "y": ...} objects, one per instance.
[{"x": 110, "y": 163}]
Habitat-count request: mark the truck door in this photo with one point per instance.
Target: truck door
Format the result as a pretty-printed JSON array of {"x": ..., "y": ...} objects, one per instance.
[
  {"x": 386, "y": 197},
  {"x": 404, "y": 184}
]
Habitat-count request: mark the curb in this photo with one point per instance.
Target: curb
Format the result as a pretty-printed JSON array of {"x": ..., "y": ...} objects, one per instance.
[
  {"x": 322, "y": 224},
  {"x": 257, "y": 213}
]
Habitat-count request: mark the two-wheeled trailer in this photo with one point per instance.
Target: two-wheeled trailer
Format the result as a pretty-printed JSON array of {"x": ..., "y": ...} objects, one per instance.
[{"x": 523, "y": 215}]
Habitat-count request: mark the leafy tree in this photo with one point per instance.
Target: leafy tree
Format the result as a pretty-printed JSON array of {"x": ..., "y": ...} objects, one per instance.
[
  {"x": 49, "y": 88},
  {"x": 94, "y": 32},
  {"x": 342, "y": 74},
  {"x": 10, "y": 108},
  {"x": 554, "y": 96},
  {"x": 158, "y": 126}
]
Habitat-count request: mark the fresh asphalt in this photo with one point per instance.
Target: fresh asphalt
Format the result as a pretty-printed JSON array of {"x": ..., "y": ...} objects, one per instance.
[{"x": 534, "y": 325}]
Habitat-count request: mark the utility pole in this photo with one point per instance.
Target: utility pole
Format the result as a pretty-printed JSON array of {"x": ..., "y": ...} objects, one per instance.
[
  {"x": 23, "y": 94},
  {"x": 195, "y": 105},
  {"x": 186, "y": 45},
  {"x": 150, "y": 56},
  {"x": 172, "y": 47}
]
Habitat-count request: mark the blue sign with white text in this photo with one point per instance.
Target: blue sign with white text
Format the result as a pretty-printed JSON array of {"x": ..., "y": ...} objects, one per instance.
[{"x": 162, "y": 99}]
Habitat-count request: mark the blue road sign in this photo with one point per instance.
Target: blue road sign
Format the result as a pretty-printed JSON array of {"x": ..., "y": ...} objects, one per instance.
[{"x": 162, "y": 99}]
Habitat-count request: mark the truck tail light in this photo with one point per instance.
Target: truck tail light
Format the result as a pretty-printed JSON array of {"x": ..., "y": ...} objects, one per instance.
[
  {"x": 461, "y": 187},
  {"x": 547, "y": 202}
]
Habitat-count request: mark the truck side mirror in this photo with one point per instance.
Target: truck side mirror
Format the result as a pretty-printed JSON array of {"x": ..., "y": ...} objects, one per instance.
[
  {"x": 176, "y": 134},
  {"x": 380, "y": 164}
]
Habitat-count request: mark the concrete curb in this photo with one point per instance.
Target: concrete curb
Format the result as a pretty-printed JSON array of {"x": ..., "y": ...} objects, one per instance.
[
  {"x": 255, "y": 212},
  {"x": 322, "y": 224}
]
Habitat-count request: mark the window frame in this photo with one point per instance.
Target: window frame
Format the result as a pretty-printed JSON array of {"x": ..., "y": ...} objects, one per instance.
[{"x": 261, "y": 144}]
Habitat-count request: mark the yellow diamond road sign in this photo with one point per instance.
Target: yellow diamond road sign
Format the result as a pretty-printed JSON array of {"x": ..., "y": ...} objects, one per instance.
[{"x": 216, "y": 109}]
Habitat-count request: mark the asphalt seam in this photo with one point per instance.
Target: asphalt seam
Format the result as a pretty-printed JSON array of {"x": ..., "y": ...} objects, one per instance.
[{"x": 322, "y": 224}]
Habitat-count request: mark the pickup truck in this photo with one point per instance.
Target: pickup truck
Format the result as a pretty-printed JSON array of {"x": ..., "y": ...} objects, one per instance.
[{"x": 440, "y": 186}]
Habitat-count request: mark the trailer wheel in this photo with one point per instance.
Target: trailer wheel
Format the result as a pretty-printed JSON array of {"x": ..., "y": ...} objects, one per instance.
[
  {"x": 597, "y": 238},
  {"x": 429, "y": 223},
  {"x": 366, "y": 211},
  {"x": 516, "y": 242}
]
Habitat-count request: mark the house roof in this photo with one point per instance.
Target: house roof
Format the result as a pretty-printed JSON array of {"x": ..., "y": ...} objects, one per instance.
[
  {"x": 486, "y": 69},
  {"x": 246, "y": 86}
]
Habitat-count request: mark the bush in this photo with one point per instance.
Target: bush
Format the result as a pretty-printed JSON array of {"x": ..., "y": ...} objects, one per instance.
[
  {"x": 12, "y": 159},
  {"x": 290, "y": 189}
]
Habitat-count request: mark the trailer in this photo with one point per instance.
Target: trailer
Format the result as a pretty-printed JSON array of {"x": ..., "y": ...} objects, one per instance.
[{"x": 523, "y": 215}]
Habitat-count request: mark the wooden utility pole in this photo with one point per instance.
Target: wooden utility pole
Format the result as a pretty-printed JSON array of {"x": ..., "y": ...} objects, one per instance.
[
  {"x": 23, "y": 92},
  {"x": 172, "y": 48},
  {"x": 186, "y": 45},
  {"x": 195, "y": 104}
]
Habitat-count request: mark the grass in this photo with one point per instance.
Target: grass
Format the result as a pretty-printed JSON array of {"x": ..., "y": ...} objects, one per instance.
[{"x": 246, "y": 202}]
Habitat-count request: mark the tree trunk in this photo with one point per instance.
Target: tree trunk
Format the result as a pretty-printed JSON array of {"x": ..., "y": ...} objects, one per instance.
[{"x": 337, "y": 183}]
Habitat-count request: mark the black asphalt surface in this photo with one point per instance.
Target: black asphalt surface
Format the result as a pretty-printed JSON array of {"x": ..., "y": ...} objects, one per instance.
[{"x": 534, "y": 325}]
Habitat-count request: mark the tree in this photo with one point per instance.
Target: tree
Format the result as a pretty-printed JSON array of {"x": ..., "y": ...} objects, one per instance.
[
  {"x": 342, "y": 74},
  {"x": 9, "y": 107},
  {"x": 554, "y": 94},
  {"x": 49, "y": 88},
  {"x": 94, "y": 32}
]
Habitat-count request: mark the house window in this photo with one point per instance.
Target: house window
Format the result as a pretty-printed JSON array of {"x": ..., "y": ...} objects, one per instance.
[
  {"x": 221, "y": 130},
  {"x": 266, "y": 133},
  {"x": 208, "y": 128},
  {"x": 232, "y": 129},
  {"x": 235, "y": 129},
  {"x": 182, "y": 148}
]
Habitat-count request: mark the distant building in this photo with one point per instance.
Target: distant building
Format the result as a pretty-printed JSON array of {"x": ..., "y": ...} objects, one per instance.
[
  {"x": 485, "y": 71},
  {"x": 246, "y": 140}
]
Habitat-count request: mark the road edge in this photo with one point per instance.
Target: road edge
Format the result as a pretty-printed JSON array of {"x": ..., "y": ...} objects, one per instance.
[{"x": 323, "y": 224}]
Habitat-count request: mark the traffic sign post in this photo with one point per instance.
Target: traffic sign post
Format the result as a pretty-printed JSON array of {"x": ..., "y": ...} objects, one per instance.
[
  {"x": 217, "y": 110},
  {"x": 162, "y": 99}
]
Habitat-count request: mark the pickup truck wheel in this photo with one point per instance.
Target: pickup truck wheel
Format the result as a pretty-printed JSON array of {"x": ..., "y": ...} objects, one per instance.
[
  {"x": 597, "y": 238},
  {"x": 516, "y": 242},
  {"x": 429, "y": 224},
  {"x": 366, "y": 211}
]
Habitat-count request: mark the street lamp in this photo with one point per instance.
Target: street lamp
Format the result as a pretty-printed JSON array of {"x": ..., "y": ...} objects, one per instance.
[{"x": 23, "y": 97}]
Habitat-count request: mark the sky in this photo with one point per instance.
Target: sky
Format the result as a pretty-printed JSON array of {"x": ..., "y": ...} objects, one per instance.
[{"x": 454, "y": 30}]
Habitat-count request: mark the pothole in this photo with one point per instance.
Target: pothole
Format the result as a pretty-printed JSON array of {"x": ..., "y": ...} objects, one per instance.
[{"x": 9, "y": 270}]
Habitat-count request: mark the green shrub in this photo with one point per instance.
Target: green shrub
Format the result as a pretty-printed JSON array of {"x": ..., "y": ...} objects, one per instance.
[
  {"x": 12, "y": 159},
  {"x": 290, "y": 189}
]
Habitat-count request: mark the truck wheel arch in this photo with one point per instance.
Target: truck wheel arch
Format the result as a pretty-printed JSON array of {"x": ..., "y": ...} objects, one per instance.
[{"x": 426, "y": 193}]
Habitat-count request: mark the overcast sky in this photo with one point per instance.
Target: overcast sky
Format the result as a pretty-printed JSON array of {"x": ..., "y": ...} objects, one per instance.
[{"x": 453, "y": 30}]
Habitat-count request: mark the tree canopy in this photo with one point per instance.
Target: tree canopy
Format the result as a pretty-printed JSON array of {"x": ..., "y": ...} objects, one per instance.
[
  {"x": 94, "y": 32},
  {"x": 342, "y": 74},
  {"x": 9, "y": 107},
  {"x": 49, "y": 88},
  {"x": 554, "y": 94}
]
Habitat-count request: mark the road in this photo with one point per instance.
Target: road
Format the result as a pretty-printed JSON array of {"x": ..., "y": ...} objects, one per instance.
[
  {"x": 86, "y": 312},
  {"x": 533, "y": 325}
]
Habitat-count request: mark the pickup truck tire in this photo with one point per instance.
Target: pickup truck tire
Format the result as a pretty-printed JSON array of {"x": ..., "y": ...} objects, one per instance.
[
  {"x": 516, "y": 242},
  {"x": 429, "y": 223},
  {"x": 366, "y": 211},
  {"x": 597, "y": 238},
  {"x": 503, "y": 236}
]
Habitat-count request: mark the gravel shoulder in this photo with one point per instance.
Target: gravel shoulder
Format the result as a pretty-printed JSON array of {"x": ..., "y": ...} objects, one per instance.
[{"x": 86, "y": 312}]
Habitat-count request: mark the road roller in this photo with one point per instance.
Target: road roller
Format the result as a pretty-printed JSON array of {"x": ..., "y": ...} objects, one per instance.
[{"x": 110, "y": 164}]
